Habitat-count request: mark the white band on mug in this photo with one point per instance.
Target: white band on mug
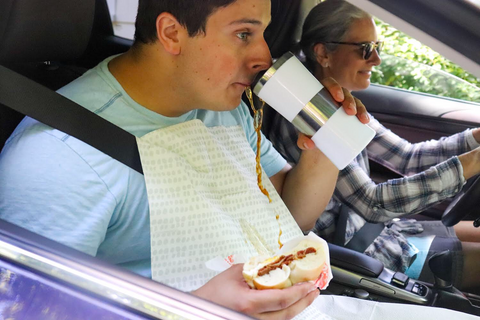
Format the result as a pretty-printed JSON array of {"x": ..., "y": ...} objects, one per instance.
[{"x": 290, "y": 89}]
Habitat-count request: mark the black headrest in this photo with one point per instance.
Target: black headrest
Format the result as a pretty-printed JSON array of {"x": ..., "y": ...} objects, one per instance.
[
  {"x": 280, "y": 34},
  {"x": 44, "y": 30}
]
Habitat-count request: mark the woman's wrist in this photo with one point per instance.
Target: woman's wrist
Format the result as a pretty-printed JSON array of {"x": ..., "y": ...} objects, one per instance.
[
  {"x": 471, "y": 163},
  {"x": 476, "y": 134}
]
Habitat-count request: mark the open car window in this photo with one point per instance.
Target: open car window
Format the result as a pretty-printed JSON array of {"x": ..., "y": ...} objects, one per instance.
[
  {"x": 448, "y": 27},
  {"x": 409, "y": 64},
  {"x": 123, "y": 14}
]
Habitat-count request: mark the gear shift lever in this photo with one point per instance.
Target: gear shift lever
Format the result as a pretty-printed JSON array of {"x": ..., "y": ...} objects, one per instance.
[
  {"x": 441, "y": 265},
  {"x": 448, "y": 296}
]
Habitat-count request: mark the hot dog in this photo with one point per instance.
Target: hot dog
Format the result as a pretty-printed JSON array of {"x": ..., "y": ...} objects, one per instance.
[{"x": 304, "y": 263}]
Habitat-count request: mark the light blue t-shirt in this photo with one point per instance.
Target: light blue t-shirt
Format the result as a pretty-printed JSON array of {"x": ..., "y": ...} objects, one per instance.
[{"x": 64, "y": 189}]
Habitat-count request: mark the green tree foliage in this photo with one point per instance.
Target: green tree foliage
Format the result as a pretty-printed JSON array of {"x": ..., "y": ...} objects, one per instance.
[{"x": 408, "y": 64}]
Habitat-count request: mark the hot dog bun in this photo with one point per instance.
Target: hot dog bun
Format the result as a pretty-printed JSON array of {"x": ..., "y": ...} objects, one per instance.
[
  {"x": 303, "y": 263},
  {"x": 310, "y": 267},
  {"x": 275, "y": 279}
]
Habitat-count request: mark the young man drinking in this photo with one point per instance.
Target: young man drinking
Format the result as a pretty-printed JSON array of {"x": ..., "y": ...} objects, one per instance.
[{"x": 183, "y": 77}]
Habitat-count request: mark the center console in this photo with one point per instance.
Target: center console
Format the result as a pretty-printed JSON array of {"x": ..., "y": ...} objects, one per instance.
[
  {"x": 360, "y": 276},
  {"x": 355, "y": 274}
]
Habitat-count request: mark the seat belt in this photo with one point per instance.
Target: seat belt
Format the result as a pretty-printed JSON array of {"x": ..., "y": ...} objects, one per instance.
[
  {"x": 362, "y": 239},
  {"x": 42, "y": 104}
]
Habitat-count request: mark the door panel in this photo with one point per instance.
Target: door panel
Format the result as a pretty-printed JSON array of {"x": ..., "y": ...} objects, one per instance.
[{"x": 418, "y": 116}]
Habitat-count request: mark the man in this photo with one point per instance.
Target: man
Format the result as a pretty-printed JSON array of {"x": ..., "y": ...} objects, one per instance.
[{"x": 191, "y": 60}]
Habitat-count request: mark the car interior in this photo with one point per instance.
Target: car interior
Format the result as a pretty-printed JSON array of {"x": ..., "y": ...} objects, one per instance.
[{"x": 45, "y": 44}]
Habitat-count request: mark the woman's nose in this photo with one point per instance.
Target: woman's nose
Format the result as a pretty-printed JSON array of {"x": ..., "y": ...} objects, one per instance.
[{"x": 375, "y": 58}]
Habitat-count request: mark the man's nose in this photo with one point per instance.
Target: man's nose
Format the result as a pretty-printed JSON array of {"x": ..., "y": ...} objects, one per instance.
[{"x": 262, "y": 59}]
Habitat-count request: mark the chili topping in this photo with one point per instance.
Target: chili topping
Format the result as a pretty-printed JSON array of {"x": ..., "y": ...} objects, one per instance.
[
  {"x": 285, "y": 260},
  {"x": 257, "y": 124},
  {"x": 280, "y": 244}
]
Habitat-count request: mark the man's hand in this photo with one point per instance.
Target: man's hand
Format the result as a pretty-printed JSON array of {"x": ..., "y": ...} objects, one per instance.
[
  {"x": 351, "y": 104},
  {"x": 229, "y": 289}
]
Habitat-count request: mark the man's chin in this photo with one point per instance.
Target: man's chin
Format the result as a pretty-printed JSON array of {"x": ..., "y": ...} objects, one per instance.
[
  {"x": 228, "y": 105},
  {"x": 234, "y": 103}
]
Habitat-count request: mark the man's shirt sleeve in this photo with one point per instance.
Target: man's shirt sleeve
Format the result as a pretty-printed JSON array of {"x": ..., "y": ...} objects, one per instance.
[{"x": 49, "y": 189}]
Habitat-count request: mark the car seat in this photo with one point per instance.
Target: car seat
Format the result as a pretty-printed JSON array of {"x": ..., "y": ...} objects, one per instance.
[{"x": 49, "y": 42}]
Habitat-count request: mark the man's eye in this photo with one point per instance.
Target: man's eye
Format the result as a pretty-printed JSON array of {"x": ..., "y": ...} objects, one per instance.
[{"x": 243, "y": 35}]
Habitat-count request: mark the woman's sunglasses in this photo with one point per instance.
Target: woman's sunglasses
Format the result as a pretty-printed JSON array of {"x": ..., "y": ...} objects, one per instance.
[{"x": 367, "y": 47}]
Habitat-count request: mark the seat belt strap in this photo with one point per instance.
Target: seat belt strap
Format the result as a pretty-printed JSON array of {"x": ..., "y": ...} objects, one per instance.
[
  {"x": 42, "y": 104},
  {"x": 365, "y": 236},
  {"x": 341, "y": 228},
  {"x": 362, "y": 239}
]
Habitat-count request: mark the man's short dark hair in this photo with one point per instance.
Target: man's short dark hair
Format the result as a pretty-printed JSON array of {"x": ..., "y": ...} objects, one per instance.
[{"x": 192, "y": 14}]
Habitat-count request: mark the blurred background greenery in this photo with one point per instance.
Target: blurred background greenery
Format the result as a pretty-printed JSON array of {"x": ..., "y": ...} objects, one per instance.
[{"x": 408, "y": 64}]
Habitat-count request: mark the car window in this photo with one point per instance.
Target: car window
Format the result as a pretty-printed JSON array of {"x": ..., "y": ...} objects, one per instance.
[
  {"x": 474, "y": 2},
  {"x": 123, "y": 13},
  {"x": 408, "y": 64}
]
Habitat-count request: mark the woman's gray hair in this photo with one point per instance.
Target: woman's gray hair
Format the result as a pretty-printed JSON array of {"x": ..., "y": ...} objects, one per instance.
[{"x": 328, "y": 21}]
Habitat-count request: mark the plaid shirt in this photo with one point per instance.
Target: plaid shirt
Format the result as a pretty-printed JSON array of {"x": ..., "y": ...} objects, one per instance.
[{"x": 431, "y": 171}]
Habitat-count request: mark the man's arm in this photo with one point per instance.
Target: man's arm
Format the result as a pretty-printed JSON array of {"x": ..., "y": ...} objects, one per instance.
[
  {"x": 307, "y": 188},
  {"x": 49, "y": 189}
]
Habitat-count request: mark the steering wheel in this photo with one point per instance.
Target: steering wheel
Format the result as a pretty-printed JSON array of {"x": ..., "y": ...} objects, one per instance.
[{"x": 465, "y": 202}]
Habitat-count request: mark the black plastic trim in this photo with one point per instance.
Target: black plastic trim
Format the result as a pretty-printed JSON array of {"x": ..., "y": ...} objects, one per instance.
[
  {"x": 354, "y": 261},
  {"x": 455, "y": 23}
]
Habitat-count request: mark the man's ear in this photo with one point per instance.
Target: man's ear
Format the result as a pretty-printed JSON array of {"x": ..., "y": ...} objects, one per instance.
[
  {"x": 321, "y": 54},
  {"x": 169, "y": 32}
]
